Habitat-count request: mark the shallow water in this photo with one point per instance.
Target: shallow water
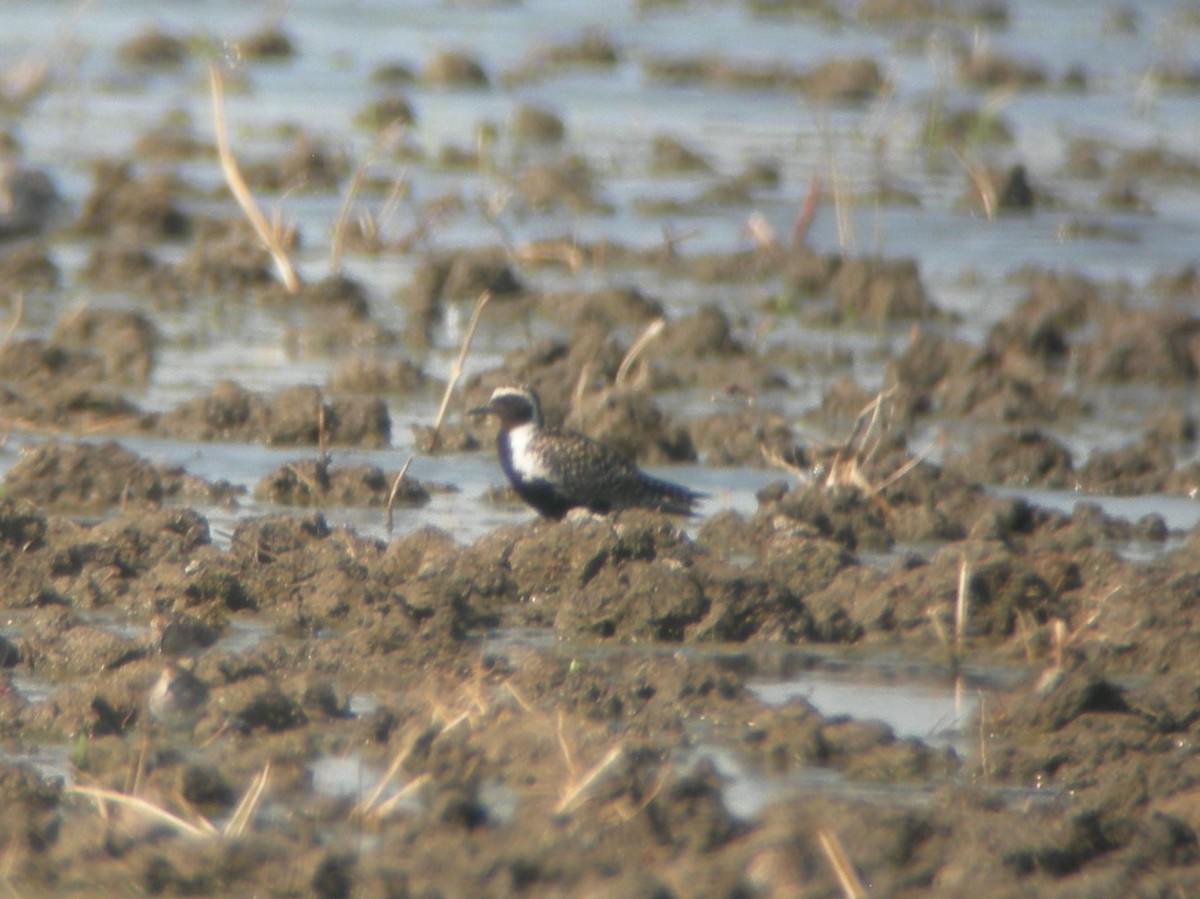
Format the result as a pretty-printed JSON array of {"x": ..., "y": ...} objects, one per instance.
[
  {"x": 937, "y": 713},
  {"x": 611, "y": 115}
]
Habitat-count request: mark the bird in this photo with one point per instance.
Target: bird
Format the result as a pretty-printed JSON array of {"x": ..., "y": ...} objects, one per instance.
[
  {"x": 178, "y": 698},
  {"x": 555, "y": 470}
]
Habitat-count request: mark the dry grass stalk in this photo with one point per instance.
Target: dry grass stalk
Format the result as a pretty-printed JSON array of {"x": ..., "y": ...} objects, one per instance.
[
  {"x": 845, "y": 468},
  {"x": 982, "y": 183},
  {"x": 845, "y": 471},
  {"x": 391, "y": 503},
  {"x": 643, "y": 340},
  {"x": 9, "y": 863},
  {"x": 578, "y": 789},
  {"x": 457, "y": 368},
  {"x": 26, "y": 79},
  {"x": 141, "y": 806},
  {"x": 368, "y": 223},
  {"x": 338, "y": 242},
  {"x": 775, "y": 460},
  {"x": 933, "y": 613},
  {"x": 114, "y": 423},
  {"x": 559, "y": 251},
  {"x": 136, "y": 774},
  {"x": 962, "y": 606},
  {"x": 1058, "y": 641},
  {"x": 272, "y": 237},
  {"x": 314, "y": 488},
  {"x": 563, "y": 745},
  {"x": 460, "y": 718},
  {"x": 322, "y": 432},
  {"x": 392, "y": 201},
  {"x": 901, "y": 472},
  {"x": 764, "y": 327},
  {"x": 1061, "y": 638},
  {"x": 577, "y": 392},
  {"x": 671, "y": 241},
  {"x": 384, "y": 809},
  {"x": 515, "y": 694},
  {"x": 492, "y": 207},
  {"x": 240, "y": 820},
  {"x": 984, "y": 766},
  {"x": 1090, "y": 622},
  {"x": 852, "y": 886},
  {"x": 873, "y": 409},
  {"x": 371, "y": 224},
  {"x": 365, "y": 805},
  {"x": 634, "y": 809},
  {"x": 847, "y": 241},
  {"x": 807, "y": 212},
  {"x": 861, "y": 446},
  {"x": 761, "y": 232},
  {"x": 18, "y": 314},
  {"x": 1025, "y": 628}
]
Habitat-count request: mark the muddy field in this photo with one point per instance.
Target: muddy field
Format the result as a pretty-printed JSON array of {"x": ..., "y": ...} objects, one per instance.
[{"x": 224, "y": 675}]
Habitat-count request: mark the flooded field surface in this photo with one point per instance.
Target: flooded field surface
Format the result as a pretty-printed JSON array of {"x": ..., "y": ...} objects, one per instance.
[{"x": 904, "y": 290}]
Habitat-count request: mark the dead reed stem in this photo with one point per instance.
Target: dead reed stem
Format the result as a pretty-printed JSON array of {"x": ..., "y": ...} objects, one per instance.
[
  {"x": 18, "y": 314},
  {"x": 338, "y": 242},
  {"x": 983, "y": 185},
  {"x": 852, "y": 886},
  {"x": 456, "y": 369},
  {"x": 580, "y": 786},
  {"x": 270, "y": 236},
  {"x": 807, "y": 212},
  {"x": 962, "y": 606},
  {"x": 240, "y": 820},
  {"x": 367, "y": 803},
  {"x": 385, "y": 808},
  {"x": 395, "y": 489},
  {"x": 643, "y": 340},
  {"x": 761, "y": 232},
  {"x": 847, "y": 241},
  {"x": 99, "y": 794}
]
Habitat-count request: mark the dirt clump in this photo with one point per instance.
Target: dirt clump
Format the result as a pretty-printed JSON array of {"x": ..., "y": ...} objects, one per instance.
[
  {"x": 271, "y": 44},
  {"x": 1018, "y": 457},
  {"x": 570, "y": 183},
  {"x": 153, "y": 49},
  {"x": 141, "y": 207},
  {"x": 366, "y": 374},
  {"x": 586, "y": 736},
  {"x": 746, "y": 437},
  {"x": 294, "y": 416},
  {"x": 316, "y": 483},
  {"x": 944, "y": 376},
  {"x": 593, "y": 49},
  {"x": 124, "y": 342},
  {"x": 1158, "y": 346},
  {"x": 94, "y": 477},
  {"x": 125, "y": 264},
  {"x": 31, "y": 202},
  {"x": 633, "y": 425},
  {"x": 226, "y": 260},
  {"x": 535, "y": 125},
  {"x": 448, "y": 68},
  {"x": 27, "y": 268},
  {"x": 669, "y": 154},
  {"x": 878, "y": 290},
  {"x": 845, "y": 80}
]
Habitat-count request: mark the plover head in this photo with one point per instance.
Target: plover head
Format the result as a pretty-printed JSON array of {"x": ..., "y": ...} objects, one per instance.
[{"x": 514, "y": 406}]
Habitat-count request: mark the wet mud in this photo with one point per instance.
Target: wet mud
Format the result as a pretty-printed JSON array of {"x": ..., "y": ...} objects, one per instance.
[{"x": 573, "y": 708}]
